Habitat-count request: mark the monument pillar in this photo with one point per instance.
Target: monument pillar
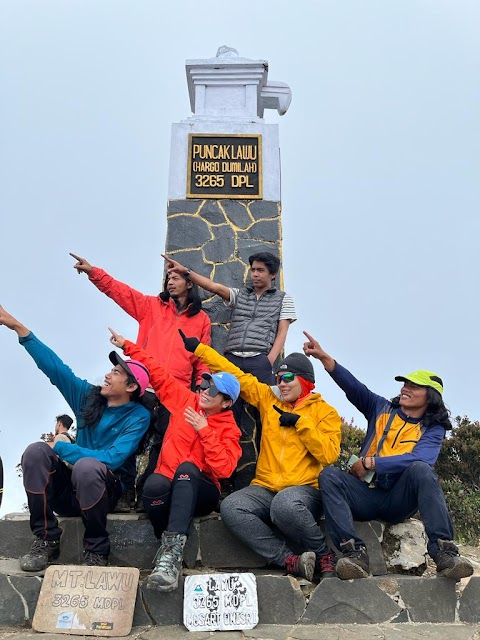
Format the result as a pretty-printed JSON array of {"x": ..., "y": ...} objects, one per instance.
[{"x": 224, "y": 191}]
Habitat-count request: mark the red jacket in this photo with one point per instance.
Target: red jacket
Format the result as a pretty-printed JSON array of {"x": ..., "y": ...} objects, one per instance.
[
  {"x": 215, "y": 449},
  {"x": 159, "y": 323}
]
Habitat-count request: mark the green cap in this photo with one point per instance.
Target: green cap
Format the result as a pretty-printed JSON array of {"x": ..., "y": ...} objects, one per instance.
[{"x": 424, "y": 379}]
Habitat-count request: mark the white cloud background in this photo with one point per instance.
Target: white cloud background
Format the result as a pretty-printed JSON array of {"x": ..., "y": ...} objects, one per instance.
[{"x": 380, "y": 180}]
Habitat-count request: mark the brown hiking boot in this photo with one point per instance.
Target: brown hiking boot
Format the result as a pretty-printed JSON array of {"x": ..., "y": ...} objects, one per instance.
[
  {"x": 40, "y": 554},
  {"x": 354, "y": 563},
  {"x": 450, "y": 563},
  {"x": 302, "y": 566}
]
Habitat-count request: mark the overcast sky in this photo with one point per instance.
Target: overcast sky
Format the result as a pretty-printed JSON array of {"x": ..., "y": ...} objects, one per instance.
[{"x": 380, "y": 181}]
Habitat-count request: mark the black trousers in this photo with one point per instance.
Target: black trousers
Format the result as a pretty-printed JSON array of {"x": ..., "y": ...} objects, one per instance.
[
  {"x": 158, "y": 427},
  {"x": 89, "y": 490},
  {"x": 171, "y": 504}
]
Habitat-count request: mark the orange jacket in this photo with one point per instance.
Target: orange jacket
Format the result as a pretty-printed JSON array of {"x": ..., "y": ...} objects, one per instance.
[
  {"x": 159, "y": 324},
  {"x": 215, "y": 449}
]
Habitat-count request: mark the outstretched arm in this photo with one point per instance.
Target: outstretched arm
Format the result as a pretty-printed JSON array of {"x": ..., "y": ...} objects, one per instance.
[
  {"x": 313, "y": 348},
  {"x": 203, "y": 282},
  {"x": 7, "y": 320}
]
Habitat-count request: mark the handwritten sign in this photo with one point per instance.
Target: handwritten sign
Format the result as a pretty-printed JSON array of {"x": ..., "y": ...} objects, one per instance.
[
  {"x": 220, "y": 602},
  {"x": 224, "y": 166},
  {"x": 87, "y": 600}
]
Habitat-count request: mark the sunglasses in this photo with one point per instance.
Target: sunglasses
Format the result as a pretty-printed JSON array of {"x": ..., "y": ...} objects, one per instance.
[
  {"x": 285, "y": 377},
  {"x": 212, "y": 390}
]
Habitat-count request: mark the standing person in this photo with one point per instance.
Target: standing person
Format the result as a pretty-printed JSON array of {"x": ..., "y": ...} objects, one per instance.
[
  {"x": 261, "y": 317},
  {"x": 277, "y": 514},
  {"x": 201, "y": 445},
  {"x": 111, "y": 422},
  {"x": 402, "y": 443},
  {"x": 159, "y": 318}
]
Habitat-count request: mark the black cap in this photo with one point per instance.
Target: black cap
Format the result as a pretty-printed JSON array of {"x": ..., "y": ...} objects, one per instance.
[{"x": 299, "y": 364}]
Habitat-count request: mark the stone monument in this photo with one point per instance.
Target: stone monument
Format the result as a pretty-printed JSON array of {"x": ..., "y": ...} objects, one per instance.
[{"x": 224, "y": 187}]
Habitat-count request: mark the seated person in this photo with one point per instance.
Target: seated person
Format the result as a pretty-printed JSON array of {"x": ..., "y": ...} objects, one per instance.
[
  {"x": 111, "y": 422},
  {"x": 402, "y": 443},
  {"x": 201, "y": 445},
  {"x": 277, "y": 514}
]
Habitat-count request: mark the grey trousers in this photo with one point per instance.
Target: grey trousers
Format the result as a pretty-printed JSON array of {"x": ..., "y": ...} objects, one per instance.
[{"x": 276, "y": 525}]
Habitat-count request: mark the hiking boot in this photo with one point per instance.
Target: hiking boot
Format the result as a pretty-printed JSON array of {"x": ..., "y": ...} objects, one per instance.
[
  {"x": 125, "y": 502},
  {"x": 450, "y": 563},
  {"x": 41, "y": 552},
  {"x": 326, "y": 565},
  {"x": 91, "y": 559},
  {"x": 354, "y": 563},
  {"x": 302, "y": 566},
  {"x": 168, "y": 563}
]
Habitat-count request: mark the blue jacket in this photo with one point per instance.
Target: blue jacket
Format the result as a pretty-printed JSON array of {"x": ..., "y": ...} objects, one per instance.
[
  {"x": 407, "y": 440},
  {"x": 119, "y": 431}
]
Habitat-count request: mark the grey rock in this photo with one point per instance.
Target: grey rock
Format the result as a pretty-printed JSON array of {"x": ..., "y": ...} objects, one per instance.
[
  {"x": 140, "y": 615},
  {"x": 247, "y": 246},
  {"x": 164, "y": 608},
  {"x": 18, "y": 597},
  {"x": 428, "y": 600},
  {"x": 232, "y": 273},
  {"x": 183, "y": 206},
  {"x": 190, "y": 552},
  {"x": 193, "y": 259},
  {"x": 264, "y": 230},
  {"x": 237, "y": 214},
  {"x": 222, "y": 247},
  {"x": 280, "y": 600},
  {"x": 264, "y": 209},
  {"x": 187, "y": 231},
  {"x": 133, "y": 543},
  {"x": 211, "y": 212},
  {"x": 354, "y": 601},
  {"x": 405, "y": 547},
  {"x": 219, "y": 548},
  {"x": 469, "y": 610}
]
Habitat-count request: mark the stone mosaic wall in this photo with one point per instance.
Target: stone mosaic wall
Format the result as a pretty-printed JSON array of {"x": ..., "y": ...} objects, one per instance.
[{"x": 215, "y": 238}]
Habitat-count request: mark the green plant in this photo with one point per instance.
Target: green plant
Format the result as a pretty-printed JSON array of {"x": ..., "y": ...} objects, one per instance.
[{"x": 352, "y": 438}]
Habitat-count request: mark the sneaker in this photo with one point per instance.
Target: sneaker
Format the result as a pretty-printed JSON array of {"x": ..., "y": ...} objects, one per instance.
[
  {"x": 450, "y": 563},
  {"x": 91, "y": 559},
  {"x": 168, "y": 563},
  {"x": 41, "y": 552},
  {"x": 302, "y": 566},
  {"x": 125, "y": 501},
  {"x": 354, "y": 563},
  {"x": 326, "y": 565}
]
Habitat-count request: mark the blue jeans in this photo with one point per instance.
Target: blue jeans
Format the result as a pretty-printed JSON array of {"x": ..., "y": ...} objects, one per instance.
[
  {"x": 272, "y": 523},
  {"x": 346, "y": 498}
]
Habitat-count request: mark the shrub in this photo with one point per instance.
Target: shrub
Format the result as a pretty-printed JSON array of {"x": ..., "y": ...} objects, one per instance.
[
  {"x": 458, "y": 468},
  {"x": 352, "y": 438}
]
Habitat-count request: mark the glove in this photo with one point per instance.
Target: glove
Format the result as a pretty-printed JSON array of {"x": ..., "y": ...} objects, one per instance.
[
  {"x": 190, "y": 343},
  {"x": 287, "y": 419}
]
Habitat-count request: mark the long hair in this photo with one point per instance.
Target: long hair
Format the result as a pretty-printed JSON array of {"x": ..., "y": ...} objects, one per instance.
[
  {"x": 436, "y": 413},
  {"x": 194, "y": 302},
  {"x": 95, "y": 404}
]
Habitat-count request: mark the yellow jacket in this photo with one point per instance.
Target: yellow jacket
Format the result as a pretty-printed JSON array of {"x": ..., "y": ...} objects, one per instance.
[{"x": 289, "y": 456}]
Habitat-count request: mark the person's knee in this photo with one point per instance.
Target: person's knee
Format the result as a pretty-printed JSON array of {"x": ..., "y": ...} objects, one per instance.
[
  {"x": 420, "y": 472},
  {"x": 231, "y": 511},
  {"x": 36, "y": 454},
  {"x": 88, "y": 470},
  {"x": 329, "y": 476},
  {"x": 186, "y": 468}
]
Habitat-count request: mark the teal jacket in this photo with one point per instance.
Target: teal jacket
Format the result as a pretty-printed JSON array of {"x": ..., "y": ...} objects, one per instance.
[{"x": 118, "y": 432}]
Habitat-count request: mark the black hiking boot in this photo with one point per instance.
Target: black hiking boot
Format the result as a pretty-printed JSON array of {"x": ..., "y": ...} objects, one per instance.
[
  {"x": 450, "y": 563},
  {"x": 354, "y": 563},
  {"x": 40, "y": 554}
]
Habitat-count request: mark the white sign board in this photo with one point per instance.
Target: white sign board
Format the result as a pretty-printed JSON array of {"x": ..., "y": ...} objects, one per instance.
[
  {"x": 220, "y": 602},
  {"x": 84, "y": 600}
]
